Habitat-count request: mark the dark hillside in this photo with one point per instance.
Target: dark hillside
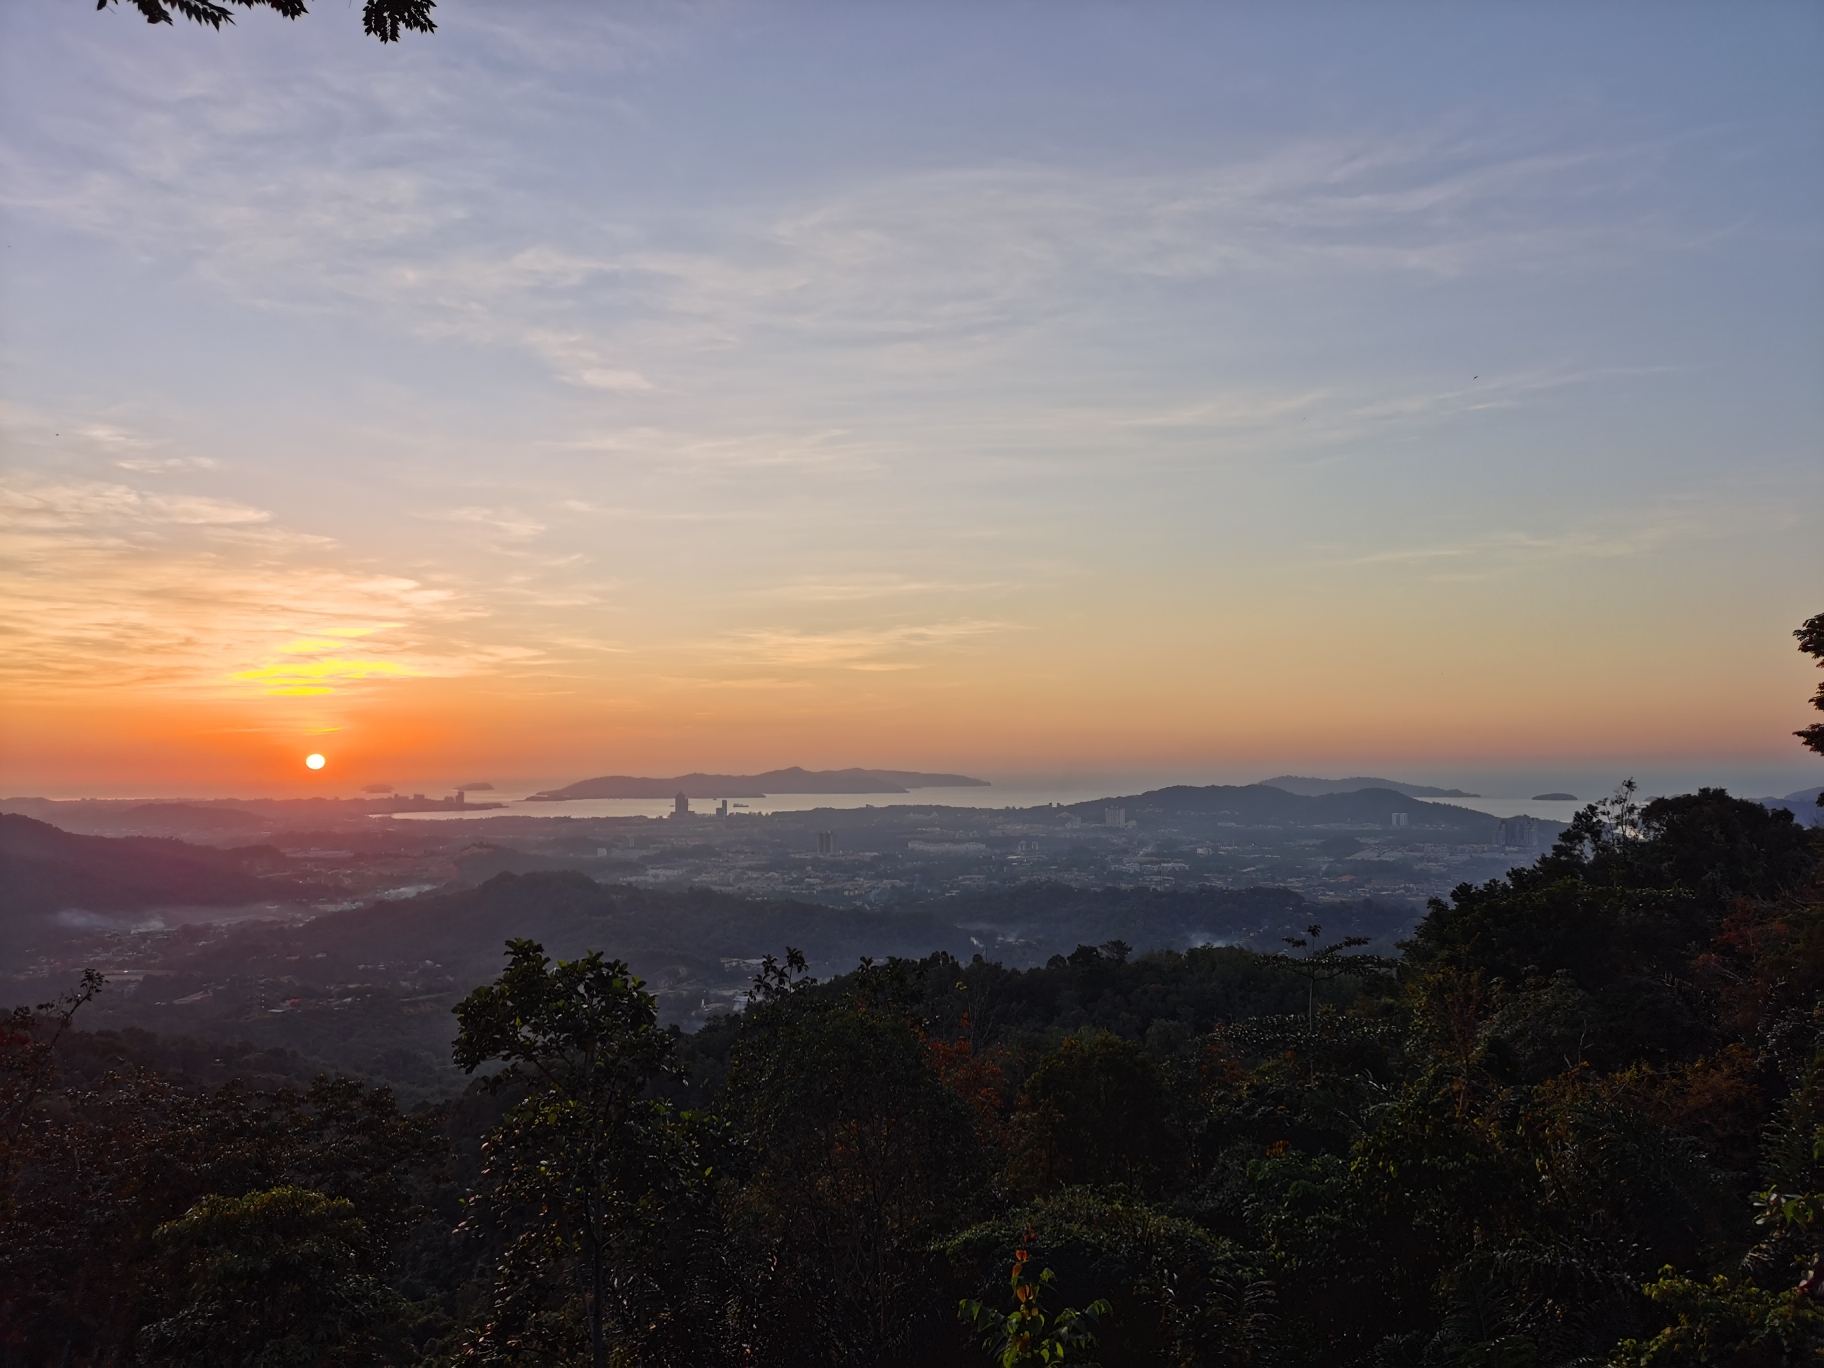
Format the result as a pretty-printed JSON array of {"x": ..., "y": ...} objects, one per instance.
[
  {"x": 478, "y": 866},
  {"x": 153, "y": 819},
  {"x": 1261, "y": 805},
  {"x": 369, "y": 988},
  {"x": 1534, "y": 1139},
  {"x": 710, "y": 939},
  {"x": 1057, "y": 917},
  {"x": 1607, "y": 932},
  {"x": 44, "y": 870},
  {"x": 570, "y": 913}
]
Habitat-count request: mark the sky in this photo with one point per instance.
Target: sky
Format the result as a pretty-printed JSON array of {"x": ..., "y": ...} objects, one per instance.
[{"x": 1197, "y": 391}]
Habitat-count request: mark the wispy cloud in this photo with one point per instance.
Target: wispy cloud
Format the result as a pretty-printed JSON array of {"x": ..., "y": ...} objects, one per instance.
[
  {"x": 519, "y": 353},
  {"x": 507, "y": 522},
  {"x": 1253, "y": 418},
  {"x": 853, "y": 648},
  {"x": 169, "y": 466},
  {"x": 33, "y": 505},
  {"x": 1663, "y": 522},
  {"x": 107, "y": 586},
  {"x": 864, "y": 586},
  {"x": 889, "y": 262}
]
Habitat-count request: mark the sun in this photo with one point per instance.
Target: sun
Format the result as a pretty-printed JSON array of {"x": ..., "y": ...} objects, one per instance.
[{"x": 314, "y": 761}]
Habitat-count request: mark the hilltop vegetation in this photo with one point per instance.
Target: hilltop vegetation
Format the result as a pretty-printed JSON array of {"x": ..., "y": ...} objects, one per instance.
[{"x": 1579, "y": 1120}]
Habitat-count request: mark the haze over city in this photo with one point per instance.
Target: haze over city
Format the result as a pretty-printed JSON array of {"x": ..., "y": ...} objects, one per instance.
[{"x": 1065, "y": 395}]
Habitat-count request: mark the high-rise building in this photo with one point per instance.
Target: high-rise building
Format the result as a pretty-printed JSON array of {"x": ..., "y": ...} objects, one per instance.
[
  {"x": 722, "y": 808},
  {"x": 680, "y": 806},
  {"x": 826, "y": 843},
  {"x": 1520, "y": 833},
  {"x": 1114, "y": 817},
  {"x": 1399, "y": 819}
]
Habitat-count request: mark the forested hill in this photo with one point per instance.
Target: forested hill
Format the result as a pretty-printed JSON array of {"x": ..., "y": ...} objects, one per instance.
[
  {"x": 569, "y": 913},
  {"x": 368, "y": 989},
  {"x": 463, "y": 931},
  {"x": 44, "y": 870},
  {"x": 1301, "y": 783},
  {"x": 1580, "y": 1121},
  {"x": 1030, "y": 921},
  {"x": 1262, "y": 805}
]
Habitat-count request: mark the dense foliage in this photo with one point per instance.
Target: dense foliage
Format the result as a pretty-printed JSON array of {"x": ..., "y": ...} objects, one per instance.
[
  {"x": 1580, "y": 1120},
  {"x": 382, "y": 19},
  {"x": 1811, "y": 642}
]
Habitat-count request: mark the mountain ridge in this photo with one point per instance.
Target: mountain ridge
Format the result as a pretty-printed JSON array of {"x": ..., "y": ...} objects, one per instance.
[
  {"x": 1263, "y": 804},
  {"x": 793, "y": 780},
  {"x": 1307, "y": 787}
]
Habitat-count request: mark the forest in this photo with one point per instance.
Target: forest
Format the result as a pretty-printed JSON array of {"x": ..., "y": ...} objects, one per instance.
[{"x": 1579, "y": 1119}]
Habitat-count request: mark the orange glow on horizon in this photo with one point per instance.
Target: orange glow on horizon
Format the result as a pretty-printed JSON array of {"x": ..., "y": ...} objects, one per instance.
[
  {"x": 1318, "y": 447},
  {"x": 1219, "y": 721}
]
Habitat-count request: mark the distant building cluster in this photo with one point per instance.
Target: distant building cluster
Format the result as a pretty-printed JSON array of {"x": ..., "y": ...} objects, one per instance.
[
  {"x": 680, "y": 807},
  {"x": 1520, "y": 833}
]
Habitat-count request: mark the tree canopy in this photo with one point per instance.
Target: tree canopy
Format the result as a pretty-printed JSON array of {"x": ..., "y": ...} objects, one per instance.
[
  {"x": 1811, "y": 642},
  {"x": 382, "y": 19},
  {"x": 1579, "y": 1120}
]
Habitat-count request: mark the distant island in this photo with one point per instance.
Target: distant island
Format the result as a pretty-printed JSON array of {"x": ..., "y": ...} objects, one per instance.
[
  {"x": 1316, "y": 788},
  {"x": 793, "y": 780},
  {"x": 1554, "y": 797}
]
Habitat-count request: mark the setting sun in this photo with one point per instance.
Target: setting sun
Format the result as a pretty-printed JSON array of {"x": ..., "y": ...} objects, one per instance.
[{"x": 314, "y": 761}]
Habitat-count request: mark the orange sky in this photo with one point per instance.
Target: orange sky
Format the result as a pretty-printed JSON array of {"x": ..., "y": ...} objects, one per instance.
[
  {"x": 1196, "y": 398},
  {"x": 1011, "y": 703}
]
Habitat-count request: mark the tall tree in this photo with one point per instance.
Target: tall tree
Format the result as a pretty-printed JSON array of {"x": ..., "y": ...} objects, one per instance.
[
  {"x": 1811, "y": 642},
  {"x": 28, "y": 1044},
  {"x": 858, "y": 1158},
  {"x": 1322, "y": 963},
  {"x": 581, "y": 1161}
]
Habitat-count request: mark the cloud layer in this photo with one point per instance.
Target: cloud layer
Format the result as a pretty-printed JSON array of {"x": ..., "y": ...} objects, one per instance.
[{"x": 1166, "y": 382}]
